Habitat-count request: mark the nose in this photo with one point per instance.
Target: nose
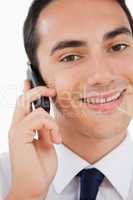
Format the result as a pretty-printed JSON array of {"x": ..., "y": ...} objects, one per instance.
[{"x": 99, "y": 71}]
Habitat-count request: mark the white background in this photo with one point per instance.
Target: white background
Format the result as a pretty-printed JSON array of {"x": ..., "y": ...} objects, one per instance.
[{"x": 13, "y": 61}]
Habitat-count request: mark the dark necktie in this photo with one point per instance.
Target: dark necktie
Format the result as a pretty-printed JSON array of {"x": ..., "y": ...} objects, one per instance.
[{"x": 90, "y": 180}]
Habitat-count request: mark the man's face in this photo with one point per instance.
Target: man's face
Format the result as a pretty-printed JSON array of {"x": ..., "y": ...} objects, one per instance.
[{"x": 98, "y": 60}]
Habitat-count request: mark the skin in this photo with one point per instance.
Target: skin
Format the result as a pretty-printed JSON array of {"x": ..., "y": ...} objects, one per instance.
[
  {"x": 94, "y": 67},
  {"x": 97, "y": 66}
]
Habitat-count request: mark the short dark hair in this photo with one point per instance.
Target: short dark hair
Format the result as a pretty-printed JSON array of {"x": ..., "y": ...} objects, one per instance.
[{"x": 31, "y": 39}]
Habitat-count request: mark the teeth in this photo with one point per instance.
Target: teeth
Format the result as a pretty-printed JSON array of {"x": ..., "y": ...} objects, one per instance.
[{"x": 102, "y": 100}]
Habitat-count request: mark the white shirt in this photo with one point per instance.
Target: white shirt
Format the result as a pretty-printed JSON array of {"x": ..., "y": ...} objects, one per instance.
[{"x": 117, "y": 166}]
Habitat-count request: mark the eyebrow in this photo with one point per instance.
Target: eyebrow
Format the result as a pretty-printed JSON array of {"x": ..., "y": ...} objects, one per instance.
[
  {"x": 116, "y": 32},
  {"x": 68, "y": 44},
  {"x": 81, "y": 43}
]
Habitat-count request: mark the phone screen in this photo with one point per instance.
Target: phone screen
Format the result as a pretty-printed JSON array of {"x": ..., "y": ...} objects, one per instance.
[{"x": 36, "y": 80}]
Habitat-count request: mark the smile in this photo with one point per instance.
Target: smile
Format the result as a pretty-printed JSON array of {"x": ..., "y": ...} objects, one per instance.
[{"x": 104, "y": 104}]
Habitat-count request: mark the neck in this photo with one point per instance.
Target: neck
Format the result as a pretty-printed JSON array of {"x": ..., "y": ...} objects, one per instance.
[{"x": 90, "y": 149}]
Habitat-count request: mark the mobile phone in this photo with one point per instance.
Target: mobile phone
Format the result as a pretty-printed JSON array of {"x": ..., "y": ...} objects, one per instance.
[{"x": 36, "y": 80}]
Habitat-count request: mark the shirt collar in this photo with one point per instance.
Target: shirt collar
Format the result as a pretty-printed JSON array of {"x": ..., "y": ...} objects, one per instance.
[{"x": 117, "y": 166}]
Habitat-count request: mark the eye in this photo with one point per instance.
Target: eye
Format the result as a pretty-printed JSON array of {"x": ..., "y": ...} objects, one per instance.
[
  {"x": 118, "y": 47},
  {"x": 70, "y": 58}
]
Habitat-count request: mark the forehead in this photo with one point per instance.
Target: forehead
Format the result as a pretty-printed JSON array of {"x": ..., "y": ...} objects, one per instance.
[{"x": 62, "y": 19}]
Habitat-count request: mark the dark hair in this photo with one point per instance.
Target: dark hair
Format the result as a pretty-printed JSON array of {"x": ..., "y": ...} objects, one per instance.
[{"x": 30, "y": 32}]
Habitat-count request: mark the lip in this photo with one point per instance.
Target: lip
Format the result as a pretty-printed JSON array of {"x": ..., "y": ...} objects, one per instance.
[
  {"x": 106, "y": 107},
  {"x": 104, "y": 95}
]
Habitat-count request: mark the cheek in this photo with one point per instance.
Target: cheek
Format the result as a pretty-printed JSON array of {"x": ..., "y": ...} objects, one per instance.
[
  {"x": 66, "y": 80},
  {"x": 128, "y": 69},
  {"x": 64, "y": 86},
  {"x": 124, "y": 67}
]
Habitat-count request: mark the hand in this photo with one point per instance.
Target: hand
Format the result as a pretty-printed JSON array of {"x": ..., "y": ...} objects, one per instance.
[{"x": 33, "y": 161}]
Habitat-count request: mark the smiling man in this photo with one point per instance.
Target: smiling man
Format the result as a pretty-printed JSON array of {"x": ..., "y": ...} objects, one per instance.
[{"x": 83, "y": 50}]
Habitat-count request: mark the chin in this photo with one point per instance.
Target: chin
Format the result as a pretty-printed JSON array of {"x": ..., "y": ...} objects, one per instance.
[
  {"x": 101, "y": 126},
  {"x": 103, "y": 133}
]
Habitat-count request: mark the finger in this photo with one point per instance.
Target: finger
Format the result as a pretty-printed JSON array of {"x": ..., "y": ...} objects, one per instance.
[
  {"x": 38, "y": 120},
  {"x": 45, "y": 138},
  {"x": 27, "y": 85},
  {"x": 49, "y": 136},
  {"x": 23, "y": 104}
]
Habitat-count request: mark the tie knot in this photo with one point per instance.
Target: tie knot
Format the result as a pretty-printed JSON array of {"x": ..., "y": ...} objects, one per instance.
[
  {"x": 91, "y": 173},
  {"x": 90, "y": 180}
]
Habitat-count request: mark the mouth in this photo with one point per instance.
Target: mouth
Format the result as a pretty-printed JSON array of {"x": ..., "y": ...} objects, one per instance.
[{"x": 104, "y": 104}]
